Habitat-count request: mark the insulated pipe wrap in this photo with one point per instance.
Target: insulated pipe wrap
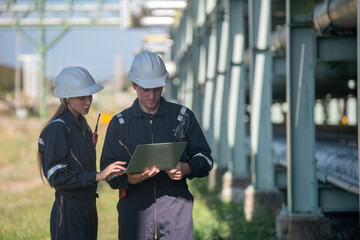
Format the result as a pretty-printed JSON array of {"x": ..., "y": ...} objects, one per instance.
[
  {"x": 336, "y": 14},
  {"x": 343, "y": 13}
]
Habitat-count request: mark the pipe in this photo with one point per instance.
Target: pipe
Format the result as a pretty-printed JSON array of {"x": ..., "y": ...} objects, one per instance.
[
  {"x": 335, "y": 15},
  {"x": 329, "y": 15},
  {"x": 338, "y": 161},
  {"x": 342, "y": 184}
]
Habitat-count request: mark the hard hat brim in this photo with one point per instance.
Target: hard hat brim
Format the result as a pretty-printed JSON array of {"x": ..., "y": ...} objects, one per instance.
[
  {"x": 83, "y": 92},
  {"x": 147, "y": 84}
]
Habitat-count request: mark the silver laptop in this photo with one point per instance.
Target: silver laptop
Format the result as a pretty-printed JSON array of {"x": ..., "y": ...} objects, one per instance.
[{"x": 164, "y": 156}]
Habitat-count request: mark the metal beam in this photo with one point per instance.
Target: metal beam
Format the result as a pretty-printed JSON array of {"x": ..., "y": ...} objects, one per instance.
[
  {"x": 358, "y": 86},
  {"x": 70, "y": 14},
  {"x": 336, "y": 48},
  {"x": 189, "y": 72},
  {"x": 236, "y": 101},
  {"x": 262, "y": 169},
  {"x": 208, "y": 113},
  {"x": 198, "y": 58},
  {"x": 222, "y": 89},
  {"x": 300, "y": 94},
  {"x": 41, "y": 14},
  {"x": 334, "y": 199},
  {"x": 56, "y": 22},
  {"x": 331, "y": 197}
]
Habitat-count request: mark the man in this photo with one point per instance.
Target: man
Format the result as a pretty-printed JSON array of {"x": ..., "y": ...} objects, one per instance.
[{"x": 155, "y": 204}]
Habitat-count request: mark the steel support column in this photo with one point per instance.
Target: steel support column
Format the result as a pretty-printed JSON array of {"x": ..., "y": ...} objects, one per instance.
[
  {"x": 236, "y": 112},
  {"x": 302, "y": 218},
  {"x": 42, "y": 107},
  {"x": 208, "y": 111},
  {"x": 189, "y": 82},
  {"x": 211, "y": 45},
  {"x": 262, "y": 168},
  {"x": 182, "y": 63},
  {"x": 358, "y": 83},
  {"x": 189, "y": 60},
  {"x": 201, "y": 76},
  {"x": 194, "y": 52},
  {"x": 221, "y": 92},
  {"x": 199, "y": 46},
  {"x": 300, "y": 90}
]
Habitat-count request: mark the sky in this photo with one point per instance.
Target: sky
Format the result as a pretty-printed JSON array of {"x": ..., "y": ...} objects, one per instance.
[{"x": 93, "y": 48}]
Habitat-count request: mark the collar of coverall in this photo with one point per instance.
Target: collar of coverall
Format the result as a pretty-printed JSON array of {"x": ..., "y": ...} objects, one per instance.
[
  {"x": 71, "y": 118},
  {"x": 137, "y": 112}
]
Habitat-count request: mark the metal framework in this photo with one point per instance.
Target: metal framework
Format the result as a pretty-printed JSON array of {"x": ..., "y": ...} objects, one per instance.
[
  {"x": 43, "y": 14},
  {"x": 65, "y": 14},
  {"x": 298, "y": 59}
]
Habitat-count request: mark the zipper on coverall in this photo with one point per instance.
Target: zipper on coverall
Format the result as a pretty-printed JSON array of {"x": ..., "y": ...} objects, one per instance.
[
  {"x": 60, "y": 210},
  {"x": 152, "y": 141}
]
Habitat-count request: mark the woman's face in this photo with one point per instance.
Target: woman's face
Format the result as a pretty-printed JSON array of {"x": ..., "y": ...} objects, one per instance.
[{"x": 79, "y": 105}]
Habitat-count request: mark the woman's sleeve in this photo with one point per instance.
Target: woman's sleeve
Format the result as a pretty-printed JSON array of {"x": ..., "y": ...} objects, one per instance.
[
  {"x": 53, "y": 144},
  {"x": 112, "y": 152}
]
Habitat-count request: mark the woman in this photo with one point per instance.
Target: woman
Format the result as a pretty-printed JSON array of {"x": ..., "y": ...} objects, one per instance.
[{"x": 67, "y": 158}]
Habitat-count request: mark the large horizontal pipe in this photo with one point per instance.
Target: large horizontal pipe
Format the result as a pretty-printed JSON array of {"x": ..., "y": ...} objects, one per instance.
[
  {"x": 335, "y": 15},
  {"x": 332, "y": 14},
  {"x": 338, "y": 161},
  {"x": 343, "y": 182},
  {"x": 332, "y": 75}
]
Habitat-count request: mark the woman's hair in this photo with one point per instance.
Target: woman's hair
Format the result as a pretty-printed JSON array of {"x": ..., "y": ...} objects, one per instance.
[{"x": 61, "y": 110}]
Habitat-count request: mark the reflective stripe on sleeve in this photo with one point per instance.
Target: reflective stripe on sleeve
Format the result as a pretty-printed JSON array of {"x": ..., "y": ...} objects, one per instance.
[
  {"x": 54, "y": 169},
  {"x": 60, "y": 120},
  {"x": 207, "y": 159},
  {"x": 41, "y": 141}
]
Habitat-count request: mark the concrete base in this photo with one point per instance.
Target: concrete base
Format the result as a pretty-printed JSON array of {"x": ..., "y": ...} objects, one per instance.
[
  {"x": 307, "y": 227},
  {"x": 233, "y": 188},
  {"x": 216, "y": 176},
  {"x": 268, "y": 202}
]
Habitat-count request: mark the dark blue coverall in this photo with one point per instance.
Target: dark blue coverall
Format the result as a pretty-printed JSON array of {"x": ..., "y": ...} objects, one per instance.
[
  {"x": 174, "y": 202},
  {"x": 74, "y": 214}
]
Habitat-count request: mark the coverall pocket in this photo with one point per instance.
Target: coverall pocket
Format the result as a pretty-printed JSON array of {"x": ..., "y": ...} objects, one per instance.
[{"x": 79, "y": 218}]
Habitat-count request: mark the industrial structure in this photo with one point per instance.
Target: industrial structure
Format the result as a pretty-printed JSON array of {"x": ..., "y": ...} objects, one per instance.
[
  {"x": 273, "y": 84},
  {"x": 63, "y": 15}
]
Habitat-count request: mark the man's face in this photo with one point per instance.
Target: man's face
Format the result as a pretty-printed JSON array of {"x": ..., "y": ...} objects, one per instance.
[{"x": 149, "y": 99}]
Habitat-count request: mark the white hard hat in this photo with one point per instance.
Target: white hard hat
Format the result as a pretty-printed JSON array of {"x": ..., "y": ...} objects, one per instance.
[
  {"x": 148, "y": 70},
  {"x": 75, "y": 82}
]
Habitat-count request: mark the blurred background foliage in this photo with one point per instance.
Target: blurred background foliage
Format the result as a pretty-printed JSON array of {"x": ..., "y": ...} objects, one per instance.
[{"x": 7, "y": 80}]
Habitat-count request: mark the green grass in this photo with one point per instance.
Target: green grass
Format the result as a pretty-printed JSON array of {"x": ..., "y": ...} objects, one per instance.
[
  {"x": 214, "y": 219},
  {"x": 25, "y": 201}
]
